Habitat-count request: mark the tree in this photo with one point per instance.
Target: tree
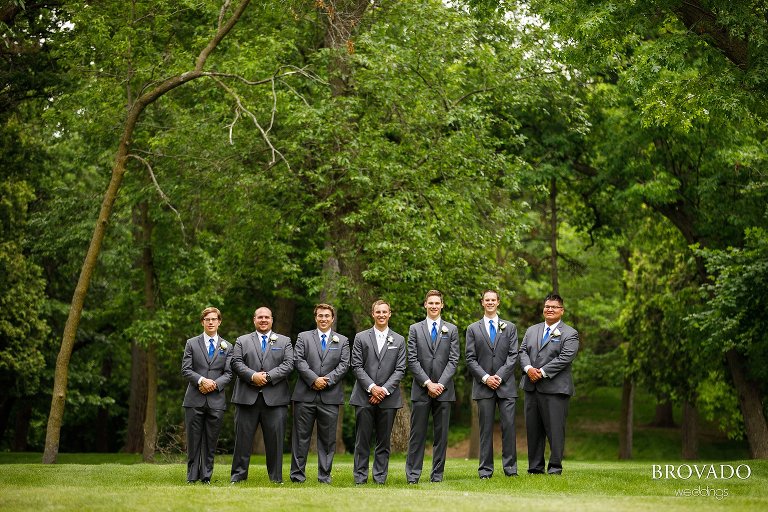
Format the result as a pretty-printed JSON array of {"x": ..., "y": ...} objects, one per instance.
[{"x": 133, "y": 114}]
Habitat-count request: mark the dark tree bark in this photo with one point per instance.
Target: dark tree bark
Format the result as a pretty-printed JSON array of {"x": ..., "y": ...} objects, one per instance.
[
  {"x": 146, "y": 227},
  {"x": 751, "y": 405},
  {"x": 690, "y": 431},
  {"x": 702, "y": 21},
  {"x": 626, "y": 427},
  {"x": 474, "y": 434},
  {"x": 401, "y": 430},
  {"x": 137, "y": 401},
  {"x": 663, "y": 417},
  {"x": 553, "y": 235}
]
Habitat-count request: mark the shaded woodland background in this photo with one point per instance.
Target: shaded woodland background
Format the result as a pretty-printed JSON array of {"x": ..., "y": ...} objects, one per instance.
[{"x": 235, "y": 154}]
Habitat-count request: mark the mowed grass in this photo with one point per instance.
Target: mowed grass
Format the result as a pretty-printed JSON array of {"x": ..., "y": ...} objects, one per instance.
[{"x": 119, "y": 482}]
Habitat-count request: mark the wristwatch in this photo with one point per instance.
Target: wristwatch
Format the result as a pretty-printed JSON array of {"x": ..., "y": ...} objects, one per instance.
[{"x": 269, "y": 378}]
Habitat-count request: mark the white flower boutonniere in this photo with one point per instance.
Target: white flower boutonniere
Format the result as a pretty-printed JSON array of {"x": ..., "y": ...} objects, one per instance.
[
  {"x": 390, "y": 340},
  {"x": 334, "y": 339},
  {"x": 223, "y": 345},
  {"x": 556, "y": 332},
  {"x": 444, "y": 329},
  {"x": 272, "y": 339},
  {"x": 502, "y": 326}
]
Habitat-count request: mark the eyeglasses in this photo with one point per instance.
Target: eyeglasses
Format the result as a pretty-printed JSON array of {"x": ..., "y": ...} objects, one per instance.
[
  {"x": 210, "y": 319},
  {"x": 553, "y": 307}
]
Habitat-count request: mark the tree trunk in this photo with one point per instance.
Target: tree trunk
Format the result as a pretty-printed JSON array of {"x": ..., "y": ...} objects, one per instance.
[
  {"x": 150, "y": 421},
  {"x": 61, "y": 373},
  {"x": 751, "y": 405},
  {"x": 474, "y": 433},
  {"x": 137, "y": 400},
  {"x": 553, "y": 234},
  {"x": 690, "y": 431},
  {"x": 258, "y": 442},
  {"x": 402, "y": 428},
  {"x": 150, "y": 292},
  {"x": 663, "y": 417},
  {"x": 285, "y": 309},
  {"x": 626, "y": 430}
]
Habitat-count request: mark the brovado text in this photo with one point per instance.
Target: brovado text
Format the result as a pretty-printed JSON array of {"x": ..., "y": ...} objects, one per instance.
[{"x": 700, "y": 471}]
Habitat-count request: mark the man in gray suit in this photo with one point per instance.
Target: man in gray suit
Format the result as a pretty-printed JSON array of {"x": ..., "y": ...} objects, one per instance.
[
  {"x": 491, "y": 354},
  {"x": 378, "y": 363},
  {"x": 262, "y": 361},
  {"x": 546, "y": 354},
  {"x": 433, "y": 354},
  {"x": 322, "y": 360},
  {"x": 206, "y": 367}
]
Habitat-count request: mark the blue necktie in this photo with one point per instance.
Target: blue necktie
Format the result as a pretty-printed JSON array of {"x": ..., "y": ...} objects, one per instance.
[
  {"x": 434, "y": 332},
  {"x": 263, "y": 343},
  {"x": 323, "y": 341},
  {"x": 492, "y": 331},
  {"x": 545, "y": 338},
  {"x": 211, "y": 349}
]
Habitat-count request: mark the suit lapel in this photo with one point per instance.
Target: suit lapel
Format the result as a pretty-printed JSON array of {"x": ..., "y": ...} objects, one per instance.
[
  {"x": 484, "y": 332},
  {"x": 316, "y": 344},
  {"x": 379, "y": 354},
  {"x": 428, "y": 335},
  {"x": 201, "y": 341}
]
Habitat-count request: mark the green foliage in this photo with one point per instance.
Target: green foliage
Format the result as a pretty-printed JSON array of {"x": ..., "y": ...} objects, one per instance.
[
  {"x": 22, "y": 328},
  {"x": 737, "y": 299}
]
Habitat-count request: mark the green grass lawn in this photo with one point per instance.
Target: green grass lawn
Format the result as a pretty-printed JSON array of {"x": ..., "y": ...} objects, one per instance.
[{"x": 120, "y": 482}]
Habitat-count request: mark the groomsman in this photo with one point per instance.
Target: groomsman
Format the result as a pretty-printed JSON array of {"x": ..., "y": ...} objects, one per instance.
[
  {"x": 262, "y": 361},
  {"x": 433, "y": 354},
  {"x": 206, "y": 367},
  {"x": 546, "y": 354},
  {"x": 322, "y": 360},
  {"x": 378, "y": 363},
  {"x": 491, "y": 354}
]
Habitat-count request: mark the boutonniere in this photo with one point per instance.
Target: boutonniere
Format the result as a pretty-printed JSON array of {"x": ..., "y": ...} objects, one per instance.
[
  {"x": 556, "y": 332},
  {"x": 273, "y": 339},
  {"x": 502, "y": 326},
  {"x": 223, "y": 345},
  {"x": 444, "y": 329},
  {"x": 334, "y": 339},
  {"x": 390, "y": 340}
]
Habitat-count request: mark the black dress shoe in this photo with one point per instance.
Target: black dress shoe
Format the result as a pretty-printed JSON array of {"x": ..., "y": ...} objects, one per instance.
[
  {"x": 191, "y": 482},
  {"x": 412, "y": 482},
  {"x": 486, "y": 477},
  {"x": 206, "y": 481}
]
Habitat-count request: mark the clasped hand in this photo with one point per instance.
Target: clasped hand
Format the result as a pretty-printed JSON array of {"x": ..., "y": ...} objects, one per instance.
[
  {"x": 534, "y": 374},
  {"x": 206, "y": 386}
]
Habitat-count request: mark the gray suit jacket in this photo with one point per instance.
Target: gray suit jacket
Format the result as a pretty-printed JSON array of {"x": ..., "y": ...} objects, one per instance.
[
  {"x": 498, "y": 358},
  {"x": 195, "y": 364},
  {"x": 554, "y": 357},
  {"x": 312, "y": 362},
  {"x": 385, "y": 368},
  {"x": 436, "y": 362},
  {"x": 277, "y": 361}
]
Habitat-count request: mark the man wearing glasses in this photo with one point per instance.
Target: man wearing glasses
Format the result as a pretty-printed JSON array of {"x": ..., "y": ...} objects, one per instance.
[
  {"x": 206, "y": 367},
  {"x": 546, "y": 354}
]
